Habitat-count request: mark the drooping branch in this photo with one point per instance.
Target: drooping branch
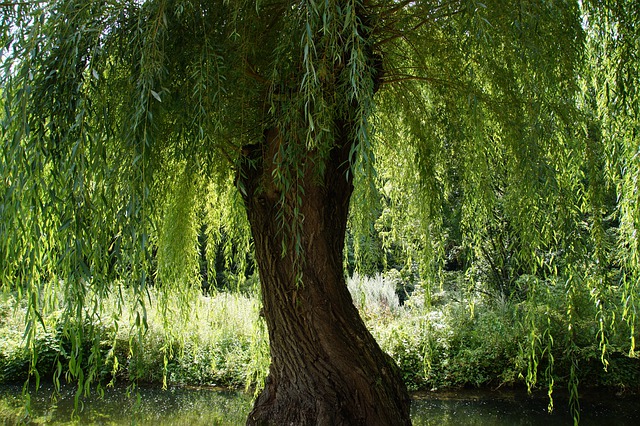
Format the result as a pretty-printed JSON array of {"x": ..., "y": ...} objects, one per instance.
[
  {"x": 396, "y": 78},
  {"x": 393, "y": 30}
]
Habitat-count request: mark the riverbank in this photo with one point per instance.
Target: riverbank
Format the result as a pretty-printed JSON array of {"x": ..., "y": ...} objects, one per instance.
[{"x": 450, "y": 340}]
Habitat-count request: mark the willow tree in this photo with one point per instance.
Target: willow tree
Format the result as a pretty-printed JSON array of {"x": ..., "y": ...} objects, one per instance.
[{"x": 120, "y": 118}]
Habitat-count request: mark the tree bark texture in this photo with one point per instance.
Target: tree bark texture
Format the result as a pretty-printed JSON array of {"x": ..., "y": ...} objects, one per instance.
[{"x": 326, "y": 367}]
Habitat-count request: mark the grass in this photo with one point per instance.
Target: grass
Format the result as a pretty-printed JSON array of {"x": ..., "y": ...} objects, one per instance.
[
  {"x": 456, "y": 338},
  {"x": 216, "y": 340},
  {"x": 451, "y": 339}
]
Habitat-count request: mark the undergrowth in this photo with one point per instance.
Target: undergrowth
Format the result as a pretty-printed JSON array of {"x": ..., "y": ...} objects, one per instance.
[{"x": 454, "y": 338}]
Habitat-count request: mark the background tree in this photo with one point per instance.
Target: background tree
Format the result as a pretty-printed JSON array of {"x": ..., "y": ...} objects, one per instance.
[{"x": 127, "y": 124}]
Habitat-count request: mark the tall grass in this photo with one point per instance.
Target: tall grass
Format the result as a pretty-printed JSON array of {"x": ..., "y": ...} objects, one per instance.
[
  {"x": 215, "y": 340},
  {"x": 220, "y": 341},
  {"x": 454, "y": 338},
  {"x": 460, "y": 338},
  {"x": 373, "y": 295}
]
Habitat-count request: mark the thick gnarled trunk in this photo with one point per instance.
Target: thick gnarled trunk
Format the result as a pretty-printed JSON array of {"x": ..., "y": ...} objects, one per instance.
[{"x": 326, "y": 368}]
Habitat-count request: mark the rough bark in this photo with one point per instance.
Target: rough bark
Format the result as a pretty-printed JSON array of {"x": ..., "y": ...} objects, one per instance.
[{"x": 326, "y": 368}]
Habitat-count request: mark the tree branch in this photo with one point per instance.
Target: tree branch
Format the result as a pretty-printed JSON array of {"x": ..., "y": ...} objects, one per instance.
[
  {"x": 251, "y": 72},
  {"x": 421, "y": 23}
]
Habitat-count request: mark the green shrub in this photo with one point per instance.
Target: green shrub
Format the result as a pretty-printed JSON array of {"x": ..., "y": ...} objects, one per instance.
[
  {"x": 464, "y": 339},
  {"x": 373, "y": 295},
  {"x": 220, "y": 340}
]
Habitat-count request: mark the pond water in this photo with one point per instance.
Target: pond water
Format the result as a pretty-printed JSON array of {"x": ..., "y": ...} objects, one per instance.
[
  {"x": 206, "y": 406},
  {"x": 516, "y": 408}
]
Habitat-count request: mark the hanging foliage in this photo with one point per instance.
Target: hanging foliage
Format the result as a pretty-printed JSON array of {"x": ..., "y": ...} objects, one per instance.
[{"x": 133, "y": 130}]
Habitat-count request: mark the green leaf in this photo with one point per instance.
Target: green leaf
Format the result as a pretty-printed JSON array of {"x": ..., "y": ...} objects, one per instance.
[{"x": 156, "y": 95}]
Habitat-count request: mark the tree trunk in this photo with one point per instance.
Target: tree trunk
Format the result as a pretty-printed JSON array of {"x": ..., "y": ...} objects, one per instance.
[{"x": 326, "y": 368}]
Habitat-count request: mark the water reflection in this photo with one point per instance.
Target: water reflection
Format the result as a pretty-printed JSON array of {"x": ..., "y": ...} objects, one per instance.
[
  {"x": 205, "y": 406},
  {"x": 475, "y": 408},
  {"x": 144, "y": 406}
]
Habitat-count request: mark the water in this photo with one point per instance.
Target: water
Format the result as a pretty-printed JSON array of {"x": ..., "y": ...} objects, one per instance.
[
  {"x": 144, "y": 406},
  {"x": 516, "y": 408},
  {"x": 206, "y": 406}
]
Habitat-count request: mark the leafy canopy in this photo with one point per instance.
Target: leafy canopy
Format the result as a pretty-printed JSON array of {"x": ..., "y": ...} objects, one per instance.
[{"x": 123, "y": 123}]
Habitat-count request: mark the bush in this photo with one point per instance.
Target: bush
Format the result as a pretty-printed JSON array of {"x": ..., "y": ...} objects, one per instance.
[
  {"x": 217, "y": 340},
  {"x": 464, "y": 339},
  {"x": 373, "y": 295}
]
